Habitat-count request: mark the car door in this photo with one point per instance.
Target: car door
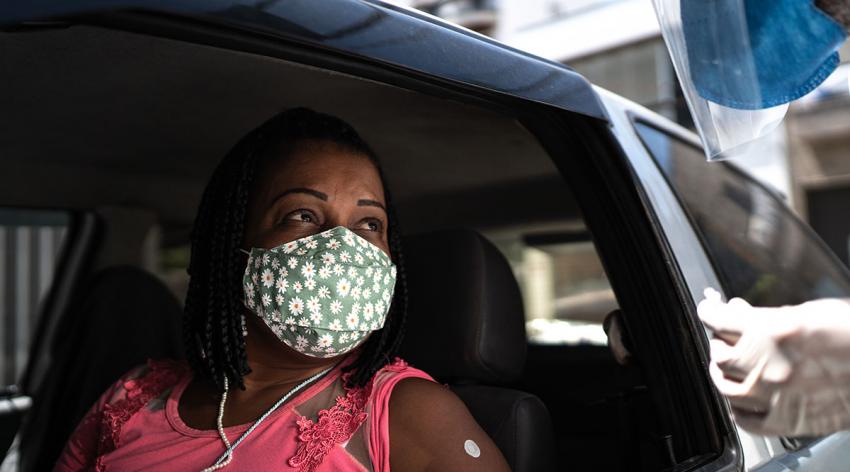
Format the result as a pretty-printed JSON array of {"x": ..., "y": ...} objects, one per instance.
[{"x": 731, "y": 233}]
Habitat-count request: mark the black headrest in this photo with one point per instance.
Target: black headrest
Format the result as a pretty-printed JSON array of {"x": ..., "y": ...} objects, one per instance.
[{"x": 465, "y": 318}]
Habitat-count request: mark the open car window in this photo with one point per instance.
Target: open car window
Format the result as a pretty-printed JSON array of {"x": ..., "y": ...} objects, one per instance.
[{"x": 565, "y": 290}]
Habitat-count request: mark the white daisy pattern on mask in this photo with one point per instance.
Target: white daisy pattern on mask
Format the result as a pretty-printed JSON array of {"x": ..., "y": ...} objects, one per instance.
[
  {"x": 323, "y": 294},
  {"x": 326, "y": 340},
  {"x": 308, "y": 270},
  {"x": 296, "y": 306},
  {"x": 343, "y": 287},
  {"x": 314, "y": 305},
  {"x": 282, "y": 284},
  {"x": 310, "y": 284}
]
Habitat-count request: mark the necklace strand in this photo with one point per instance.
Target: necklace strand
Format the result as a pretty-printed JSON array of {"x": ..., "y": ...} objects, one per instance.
[{"x": 225, "y": 458}]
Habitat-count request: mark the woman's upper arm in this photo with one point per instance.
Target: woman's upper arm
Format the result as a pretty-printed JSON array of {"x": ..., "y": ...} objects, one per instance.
[{"x": 429, "y": 430}]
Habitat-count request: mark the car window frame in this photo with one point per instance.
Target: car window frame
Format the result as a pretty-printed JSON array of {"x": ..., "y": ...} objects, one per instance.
[{"x": 787, "y": 212}]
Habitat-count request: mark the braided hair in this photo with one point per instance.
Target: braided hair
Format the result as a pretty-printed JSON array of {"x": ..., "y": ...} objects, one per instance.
[{"x": 212, "y": 319}]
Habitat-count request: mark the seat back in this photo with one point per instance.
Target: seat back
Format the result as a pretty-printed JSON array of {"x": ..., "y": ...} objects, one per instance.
[
  {"x": 466, "y": 327},
  {"x": 122, "y": 317}
]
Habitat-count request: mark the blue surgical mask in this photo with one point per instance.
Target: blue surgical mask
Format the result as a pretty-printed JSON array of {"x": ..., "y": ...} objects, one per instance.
[{"x": 755, "y": 54}]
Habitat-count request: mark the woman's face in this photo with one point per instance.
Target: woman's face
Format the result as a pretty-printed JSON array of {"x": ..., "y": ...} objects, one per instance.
[{"x": 317, "y": 187}]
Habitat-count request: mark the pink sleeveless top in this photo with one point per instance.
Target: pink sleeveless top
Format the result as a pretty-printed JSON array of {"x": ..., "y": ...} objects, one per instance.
[{"x": 326, "y": 427}]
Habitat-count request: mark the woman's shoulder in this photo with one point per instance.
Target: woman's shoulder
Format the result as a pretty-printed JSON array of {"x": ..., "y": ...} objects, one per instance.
[
  {"x": 100, "y": 428},
  {"x": 432, "y": 425},
  {"x": 152, "y": 377},
  {"x": 394, "y": 372}
]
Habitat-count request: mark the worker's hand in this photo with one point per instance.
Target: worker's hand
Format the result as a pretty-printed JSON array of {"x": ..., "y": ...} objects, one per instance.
[{"x": 786, "y": 370}]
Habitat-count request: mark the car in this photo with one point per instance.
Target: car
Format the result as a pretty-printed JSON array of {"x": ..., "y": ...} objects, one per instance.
[{"x": 114, "y": 113}]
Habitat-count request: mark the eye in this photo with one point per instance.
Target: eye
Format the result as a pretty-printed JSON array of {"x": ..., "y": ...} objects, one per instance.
[
  {"x": 371, "y": 224},
  {"x": 301, "y": 216}
]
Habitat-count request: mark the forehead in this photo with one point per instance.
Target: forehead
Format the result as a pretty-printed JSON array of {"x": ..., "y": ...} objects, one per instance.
[{"x": 323, "y": 166}]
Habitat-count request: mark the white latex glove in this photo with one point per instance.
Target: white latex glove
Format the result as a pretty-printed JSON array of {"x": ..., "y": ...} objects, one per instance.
[{"x": 786, "y": 371}]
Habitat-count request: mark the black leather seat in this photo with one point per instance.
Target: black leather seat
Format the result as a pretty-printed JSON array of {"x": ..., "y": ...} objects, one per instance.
[
  {"x": 122, "y": 317},
  {"x": 466, "y": 328}
]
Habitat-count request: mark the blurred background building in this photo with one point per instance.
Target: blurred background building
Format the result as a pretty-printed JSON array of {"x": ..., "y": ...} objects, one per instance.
[{"x": 617, "y": 45}]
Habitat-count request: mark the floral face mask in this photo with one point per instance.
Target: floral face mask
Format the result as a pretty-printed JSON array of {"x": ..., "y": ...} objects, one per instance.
[{"x": 322, "y": 294}]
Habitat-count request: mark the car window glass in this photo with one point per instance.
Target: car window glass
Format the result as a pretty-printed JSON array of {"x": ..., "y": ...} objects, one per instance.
[
  {"x": 761, "y": 251},
  {"x": 30, "y": 245},
  {"x": 564, "y": 287}
]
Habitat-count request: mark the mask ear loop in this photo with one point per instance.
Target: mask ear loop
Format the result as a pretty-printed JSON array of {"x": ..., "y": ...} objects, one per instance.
[{"x": 244, "y": 251}]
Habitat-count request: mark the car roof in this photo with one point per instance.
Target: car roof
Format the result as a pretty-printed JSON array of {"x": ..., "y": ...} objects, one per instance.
[{"x": 397, "y": 37}]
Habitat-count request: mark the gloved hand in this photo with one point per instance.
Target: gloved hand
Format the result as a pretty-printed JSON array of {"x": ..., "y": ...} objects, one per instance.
[{"x": 786, "y": 370}]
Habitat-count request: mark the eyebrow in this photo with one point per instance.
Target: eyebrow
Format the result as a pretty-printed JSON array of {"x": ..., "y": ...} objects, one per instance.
[
  {"x": 373, "y": 203},
  {"x": 304, "y": 190},
  {"x": 324, "y": 197}
]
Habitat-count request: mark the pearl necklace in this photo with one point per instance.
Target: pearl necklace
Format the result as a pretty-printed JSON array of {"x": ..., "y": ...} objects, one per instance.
[{"x": 225, "y": 458}]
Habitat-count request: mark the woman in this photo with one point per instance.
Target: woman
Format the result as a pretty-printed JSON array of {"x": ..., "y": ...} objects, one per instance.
[{"x": 295, "y": 308}]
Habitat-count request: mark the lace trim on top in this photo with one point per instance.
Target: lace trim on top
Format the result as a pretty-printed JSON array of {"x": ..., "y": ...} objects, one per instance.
[
  {"x": 160, "y": 375},
  {"x": 334, "y": 425}
]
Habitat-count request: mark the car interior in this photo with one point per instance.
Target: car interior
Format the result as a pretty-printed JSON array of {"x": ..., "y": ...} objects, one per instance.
[{"x": 109, "y": 138}]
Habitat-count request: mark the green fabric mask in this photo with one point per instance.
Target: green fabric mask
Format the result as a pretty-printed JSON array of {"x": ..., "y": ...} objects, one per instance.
[{"x": 322, "y": 294}]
